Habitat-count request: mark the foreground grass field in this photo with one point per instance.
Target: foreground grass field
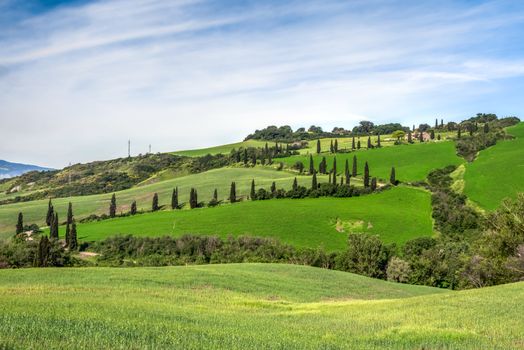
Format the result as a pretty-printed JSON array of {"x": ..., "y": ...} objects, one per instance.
[
  {"x": 205, "y": 183},
  {"x": 412, "y": 162},
  {"x": 247, "y": 306},
  {"x": 396, "y": 215},
  {"x": 498, "y": 172}
]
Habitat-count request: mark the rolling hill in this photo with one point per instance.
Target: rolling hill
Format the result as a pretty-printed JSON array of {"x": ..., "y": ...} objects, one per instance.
[{"x": 248, "y": 306}]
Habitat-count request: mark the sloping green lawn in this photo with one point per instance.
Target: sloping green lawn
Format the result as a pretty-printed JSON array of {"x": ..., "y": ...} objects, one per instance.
[
  {"x": 247, "y": 306},
  {"x": 396, "y": 215},
  {"x": 498, "y": 172}
]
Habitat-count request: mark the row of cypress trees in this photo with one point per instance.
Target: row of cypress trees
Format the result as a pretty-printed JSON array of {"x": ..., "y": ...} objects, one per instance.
[{"x": 355, "y": 144}]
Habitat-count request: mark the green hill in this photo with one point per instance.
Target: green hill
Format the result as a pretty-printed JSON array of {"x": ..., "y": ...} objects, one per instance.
[
  {"x": 498, "y": 172},
  {"x": 248, "y": 306},
  {"x": 412, "y": 162},
  {"x": 397, "y": 215},
  {"x": 222, "y": 149},
  {"x": 205, "y": 183}
]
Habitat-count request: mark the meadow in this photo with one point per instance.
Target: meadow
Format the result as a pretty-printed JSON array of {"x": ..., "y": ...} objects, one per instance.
[
  {"x": 222, "y": 149},
  {"x": 498, "y": 172},
  {"x": 248, "y": 306},
  {"x": 411, "y": 162},
  {"x": 396, "y": 215},
  {"x": 205, "y": 183}
]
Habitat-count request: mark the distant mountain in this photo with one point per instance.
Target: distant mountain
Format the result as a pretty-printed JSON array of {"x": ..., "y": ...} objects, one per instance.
[{"x": 8, "y": 169}]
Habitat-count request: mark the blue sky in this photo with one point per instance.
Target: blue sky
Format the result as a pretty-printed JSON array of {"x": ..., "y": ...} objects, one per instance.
[{"x": 77, "y": 79}]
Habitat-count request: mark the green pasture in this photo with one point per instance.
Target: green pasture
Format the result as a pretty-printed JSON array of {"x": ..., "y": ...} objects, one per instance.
[
  {"x": 222, "y": 149},
  {"x": 245, "y": 306},
  {"x": 498, "y": 172},
  {"x": 396, "y": 215},
  {"x": 205, "y": 183}
]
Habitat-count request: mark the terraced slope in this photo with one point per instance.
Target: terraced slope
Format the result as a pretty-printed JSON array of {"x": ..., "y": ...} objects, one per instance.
[
  {"x": 248, "y": 306},
  {"x": 396, "y": 215},
  {"x": 498, "y": 172}
]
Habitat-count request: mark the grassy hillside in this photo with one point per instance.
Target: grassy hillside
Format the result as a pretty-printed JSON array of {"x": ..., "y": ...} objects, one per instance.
[
  {"x": 397, "y": 215},
  {"x": 248, "y": 306},
  {"x": 222, "y": 149},
  {"x": 412, "y": 162},
  {"x": 498, "y": 171},
  {"x": 205, "y": 183}
]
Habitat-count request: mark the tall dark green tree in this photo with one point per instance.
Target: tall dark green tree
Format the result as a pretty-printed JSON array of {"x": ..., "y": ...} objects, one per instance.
[
  {"x": 42, "y": 254},
  {"x": 318, "y": 147},
  {"x": 358, "y": 144},
  {"x": 73, "y": 240},
  {"x": 353, "y": 147},
  {"x": 373, "y": 184},
  {"x": 311, "y": 165},
  {"x": 369, "y": 142},
  {"x": 354, "y": 169},
  {"x": 266, "y": 149},
  {"x": 233, "y": 193},
  {"x": 193, "y": 199},
  {"x": 20, "y": 223},
  {"x": 366, "y": 175},
  {"x": 392, "y": 176},
  {"x": 295, "y": 184},
  {"x": 322, "y": 168},
  {"x": 335, "y": 146},
  {"x": 436, "y": 123},
  {"x": 442, "y": 123},
  {"x": 314, "y": 183},
  {"x": 70, "y": 213},
  {"x": 331, "y": 148},
  {"x": 112, "y": 206},
  {"x": 50, "y": 213},
  {"x": 252, "y": 193},
  {"x": 53, "y": 231},
  {"x": 154, "y": 204},
  {"x": 133, "y": 208},
  {"x": 274, "y": 186},
  {"x": 215, "y": 195},
  {"x": 68, "y": 235},
  {"x": 378, "y": 141},
  {"x": 432, "y": 134},
  {"x": 334, "y": 171},
  {"x": 245, "y": 156},
  {"x": 174, "y": 198},
  {"x": 254, "y": 159}
]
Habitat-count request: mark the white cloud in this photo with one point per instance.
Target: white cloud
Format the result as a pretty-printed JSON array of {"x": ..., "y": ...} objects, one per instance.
[{"x": 77, "y": 82}]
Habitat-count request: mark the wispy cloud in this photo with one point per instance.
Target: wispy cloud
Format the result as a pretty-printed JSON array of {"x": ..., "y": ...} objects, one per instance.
[{"x": 77, "y": 81}]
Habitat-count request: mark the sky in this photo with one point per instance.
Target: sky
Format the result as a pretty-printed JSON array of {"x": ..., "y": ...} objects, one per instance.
[{"x": 80, "y": 78}]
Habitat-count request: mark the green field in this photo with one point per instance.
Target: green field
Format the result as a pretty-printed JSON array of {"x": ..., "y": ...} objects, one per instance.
[
  {"x": 248, "y": 306},
  {"x": 498, "y": 172},
  {"x": 205, "y": 183},
  {"x": 412, "y": 162},
  {"x": 396, "y": 215},
  {"x": 222, "y": 149}
]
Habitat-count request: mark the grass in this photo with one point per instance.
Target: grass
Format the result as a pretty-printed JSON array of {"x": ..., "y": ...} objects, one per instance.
[
  {"x": 247, "y": 306},
  {"x": 205, "y": 183},
  {"x": 222, "y": 149},
  {"x": 411, "y": 162},
  {"x": 396, "y": 215},
  {"x": 498, "y": 172}
]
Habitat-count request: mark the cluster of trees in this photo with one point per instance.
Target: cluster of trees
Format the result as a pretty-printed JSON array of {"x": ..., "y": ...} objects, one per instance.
[{"x": 251, "y": 156}]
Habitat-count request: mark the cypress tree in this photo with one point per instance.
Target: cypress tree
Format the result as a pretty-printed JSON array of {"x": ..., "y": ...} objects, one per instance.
[
  {"x": 436, "y": 123},
  {"x": 274, "y": 186},
  {"x": 413, "y": 127},
  {"x": 432, "y": 134},
  {"x": 439, "y": 137},
  {"x": 295, "y": 184},
  {"x": 329, "y": 179},
  {"x": 68, "y": 235},
  {"x": 335, "y": 165},
  {"x": 442, "y": 123},
  {"x": 70, "y": 213},
  {"x": 266, "y": 148},
  {"x": 373, "y": 184},
  {"x": 335, "y": 146},
  {"x": 233, "y": 193},
  {"x": 318, "y": 147},
  {"x": 252, "y": 193},
  {"x": 154, "y": 205},
  {"x": 346, "y": 167},
  {"x": 314, "y": 183},
  {"x": 354, "y": 170},
  {"x": 112, "y": 206},
  {"x": 353, "y": 144},
  {"x": 254, "y": 159},
  {"x": 410, "y": 137},
  {"x": 378, "y": 141},
  {"x": 133, "y": 208},
  {"x": 366, "y": 175},
  {"x": 331, "y": 148},
  {"x": 20, "y": 223},
  {"x": 323, "y": 166},
  {"x": 334, "y": 178},
  {"x": 53, "y": 231},
  {"x": 245, "y": 156},
  {"x": 73, "y": 240},
  {"x": 392, "y": 176},
  {"x": 358, "y": 144},
  {"x": 311, "y": 165},
  {"x": 42, "y": 254},
  {"x": 174, "y": 198},
  {"x": 369, "y": 142},
  {"x": 50, "y": 214},
  {"x": 215, "y": 195},
  {"x": 193, "y": 199},
  {"x": 348, "y": 178}
]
